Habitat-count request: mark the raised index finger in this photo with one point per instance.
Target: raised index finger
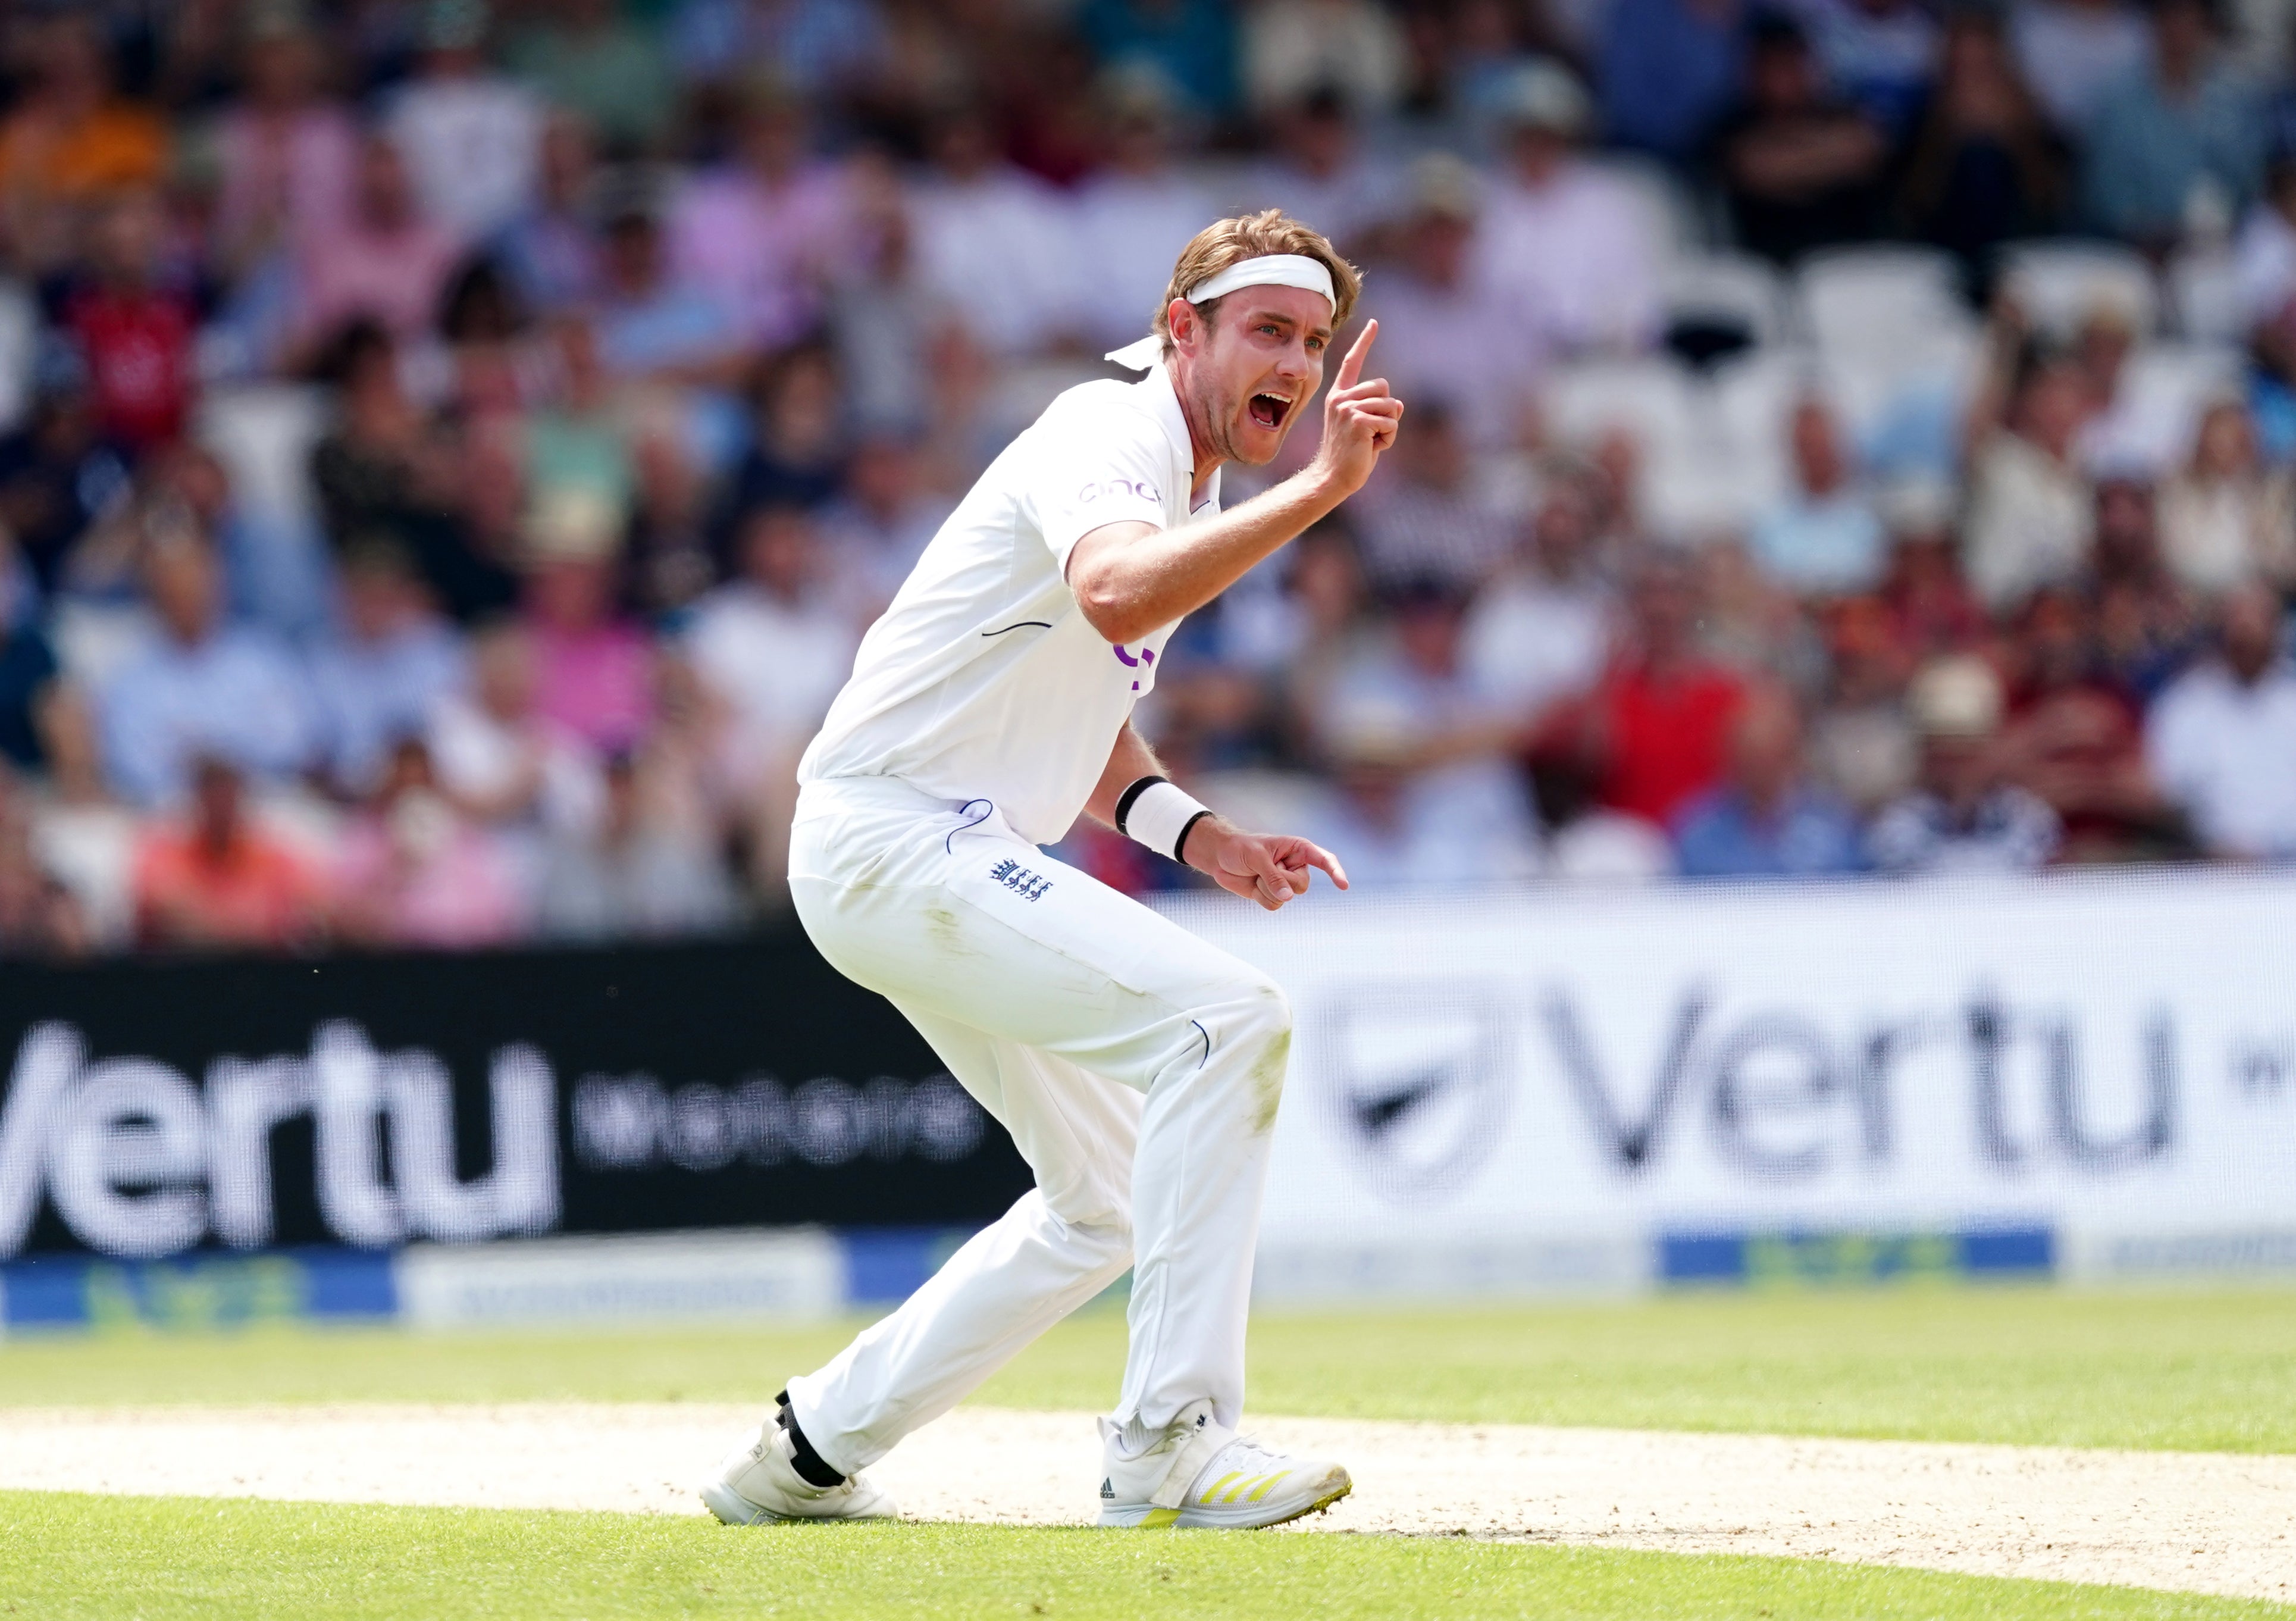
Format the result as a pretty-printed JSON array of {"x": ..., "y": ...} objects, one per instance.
[{"x": 1351, "y": 364}]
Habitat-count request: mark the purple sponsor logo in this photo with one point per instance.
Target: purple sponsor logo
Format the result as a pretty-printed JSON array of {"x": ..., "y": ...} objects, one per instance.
[{"x": 1147, "y": 656}]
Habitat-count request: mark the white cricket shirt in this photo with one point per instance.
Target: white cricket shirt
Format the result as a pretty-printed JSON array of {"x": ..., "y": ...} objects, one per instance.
[{"x": 984, "y": 679}]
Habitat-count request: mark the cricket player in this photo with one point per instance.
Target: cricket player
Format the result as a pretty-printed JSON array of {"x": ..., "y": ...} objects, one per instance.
[{"x": 1137, "y": 1068}]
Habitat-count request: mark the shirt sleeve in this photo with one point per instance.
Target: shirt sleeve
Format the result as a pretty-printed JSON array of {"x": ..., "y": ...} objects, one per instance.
[{"x": 1115, "y": 475}]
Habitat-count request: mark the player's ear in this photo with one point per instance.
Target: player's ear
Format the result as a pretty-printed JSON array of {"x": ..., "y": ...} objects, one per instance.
[{"x": 1185, "y": 323}]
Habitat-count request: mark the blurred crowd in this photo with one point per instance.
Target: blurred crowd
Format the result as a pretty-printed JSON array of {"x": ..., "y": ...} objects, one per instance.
[{"x": 450, "y": 451}]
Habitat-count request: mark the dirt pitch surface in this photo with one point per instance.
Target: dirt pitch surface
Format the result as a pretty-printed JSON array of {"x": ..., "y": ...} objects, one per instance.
[{"x": 2198, "y": 1522}]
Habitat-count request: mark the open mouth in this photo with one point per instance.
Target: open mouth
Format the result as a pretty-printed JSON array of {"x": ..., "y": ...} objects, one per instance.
[{"x": 1269, "y": 410}]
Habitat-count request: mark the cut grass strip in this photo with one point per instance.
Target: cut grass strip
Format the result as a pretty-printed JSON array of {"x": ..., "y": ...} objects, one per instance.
[
  {"x": 69, "y": 1558},
  {"x": 2195, "y": 1371}
]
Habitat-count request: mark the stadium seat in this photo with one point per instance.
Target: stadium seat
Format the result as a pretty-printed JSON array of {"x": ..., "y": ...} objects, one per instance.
[
  {"x": 1877, "y": 300},
  {"x": 2205, "y": 296},
  {"x": 19, "y": 336},
  {"x": 1724, "y": 293},
  {"x": 2163, "y": 393},
  {"x": 2060, "y": 283},
  {"x": 263, "y": 433}
]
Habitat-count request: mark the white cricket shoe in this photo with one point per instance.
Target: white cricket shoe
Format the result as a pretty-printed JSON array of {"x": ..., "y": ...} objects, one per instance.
[
  {"x": 760, "y": 1483},
  {"x": 1203, "y": 1476}
]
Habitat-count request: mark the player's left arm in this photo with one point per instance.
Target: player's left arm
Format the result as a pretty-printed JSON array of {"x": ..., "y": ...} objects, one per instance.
[{"x": 1270, "y": 869}]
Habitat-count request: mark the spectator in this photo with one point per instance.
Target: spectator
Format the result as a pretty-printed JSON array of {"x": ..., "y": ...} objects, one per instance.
[
  {"x": 592, "y": 667},
  {"x": 1568, "y": 245},
  {"x": 1132, "y": 219},
  {"x": 70, "y": 139},
  {"x": 56, "y": 474},
  {"x": 1665, "y": 70},
  {"x": 2225, "y": 519},
  {"x": 1801, "y": 169},
  {"x": 412, "y": 872},
  {"x": 2029, "y": 509},
  {"x": 2222, "y": 738},
  {"x": 1659, "y": 724},
  {"x": 386, "y": 472},
  {"x": 876, "y": 530},
  {"x": 774, "y": 647},
  {"x": 378, "y": 680},
  {"x": 885, "y": 317},
  {"x": 503, "y": 762},
  {"x": 134, "y": 332},
  {"x": 1316, "y": 170},
  {"x": 582, "y": 440},
  {"x": 2074, "y": 52},
  {"x": 276, "y": 575},
  {"x": 1428, "y": 793},
  {"x": 1293, "y": 46},
  {"x": 1882, "y": 55},
  {"x": 759, "y": 236},
  {"x": 2271, "y": 383},
  {"x": 471, "y": 138},
  {"x": 1445, "y": 336},
  {"x": 796, "y": 453},
  {"x": 1964, "y": 817},
  {"x": 1824, "y": 538},
  {"x": 2182, "y": 135},
  {"x": 382, "y": 262},
  {"x": 1189, "y": 43},
  {"x": 203, "y": 689},
  {"x": 1984, "y": 167},
  {"x": 39, "y": 915},
  {"x": 218, "y": 881},
  {"x": 2265, "y": 253},
  {"x": 1581, "y": 840},
  {"x": 613, "y": 71},
  {"x": 28, "y": 671},
  {"x": 655, "y": 325},
  {"x": 1931, "y": 605},
  {"x": 832, "y": 45},
  {"x": 550, "y": 252},
  {"x": 1766, "y": 819},
  {"x": 1540, "y": 631},
  {"x": 1861, "y": 747},
  {"x": 634, "y": 878},
  {"x": 1422, "y": 518},
  {"x": 2074, "y": 738},
  {"x": 288, "y": 156},
  {"x": 993, "y": 241}
]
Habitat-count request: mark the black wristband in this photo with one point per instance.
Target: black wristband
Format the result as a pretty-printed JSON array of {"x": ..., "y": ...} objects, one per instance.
[
  {"x": 1124, "y": 801},
  {"x": 1186, "y": 827}
]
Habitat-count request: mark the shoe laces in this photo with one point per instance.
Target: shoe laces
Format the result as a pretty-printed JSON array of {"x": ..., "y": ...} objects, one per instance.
[{"x": 1244, "y": 1453}]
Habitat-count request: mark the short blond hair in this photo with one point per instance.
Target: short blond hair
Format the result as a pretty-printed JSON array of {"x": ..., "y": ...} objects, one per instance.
[{"x": 1231, "y": 242}]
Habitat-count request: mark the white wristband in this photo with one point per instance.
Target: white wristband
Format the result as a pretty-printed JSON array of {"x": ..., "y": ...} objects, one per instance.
[{"x": 1156, "y": 813}]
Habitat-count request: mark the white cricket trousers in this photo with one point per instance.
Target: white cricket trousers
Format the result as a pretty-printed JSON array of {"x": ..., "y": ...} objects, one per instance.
[{"x": 1137, "y": 1068}]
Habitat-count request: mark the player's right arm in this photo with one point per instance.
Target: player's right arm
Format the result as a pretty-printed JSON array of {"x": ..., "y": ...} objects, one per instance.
[{"x": 1132, "y": 578}]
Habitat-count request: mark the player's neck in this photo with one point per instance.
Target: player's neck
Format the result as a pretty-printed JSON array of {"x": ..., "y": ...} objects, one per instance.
[{"x": 1207, "y": 460}]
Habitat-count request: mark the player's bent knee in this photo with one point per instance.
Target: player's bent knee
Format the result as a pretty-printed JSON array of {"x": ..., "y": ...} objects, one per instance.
[
  {"x": 1262, "y": 1013},
  {"x": 1266, "y": 1038}
]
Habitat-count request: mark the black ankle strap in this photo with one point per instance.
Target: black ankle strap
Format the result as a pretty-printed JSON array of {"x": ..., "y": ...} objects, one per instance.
[{"x": 808, "y": 1463}]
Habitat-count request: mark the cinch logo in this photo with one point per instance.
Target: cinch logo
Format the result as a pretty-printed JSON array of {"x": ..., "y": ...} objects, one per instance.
[
  {"x": 1147, "y": 656},
  {"x": 1113, "y": 487}
]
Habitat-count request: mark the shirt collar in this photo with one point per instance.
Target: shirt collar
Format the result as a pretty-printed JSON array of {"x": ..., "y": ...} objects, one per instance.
[{"x": 1163, "y": 402}]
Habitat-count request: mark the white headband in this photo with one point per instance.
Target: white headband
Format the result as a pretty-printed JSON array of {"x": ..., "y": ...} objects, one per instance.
[{"x": 1268, "y": 270}]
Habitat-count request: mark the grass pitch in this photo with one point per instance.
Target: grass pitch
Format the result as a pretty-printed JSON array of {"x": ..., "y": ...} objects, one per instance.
[
  {"x": 95, "y": 1559},
  {"x": 2188, "y": 1371}
]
